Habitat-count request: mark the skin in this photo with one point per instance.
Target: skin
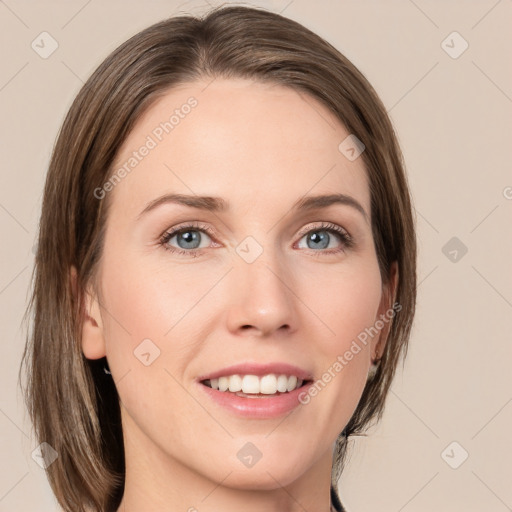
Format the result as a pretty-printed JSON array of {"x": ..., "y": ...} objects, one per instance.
[{"x": 261, "y": 147}]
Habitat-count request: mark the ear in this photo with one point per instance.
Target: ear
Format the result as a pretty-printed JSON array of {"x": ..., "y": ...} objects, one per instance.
[
  {"x": 93, "y": 341},
  {"x": 386, "y": 305}
]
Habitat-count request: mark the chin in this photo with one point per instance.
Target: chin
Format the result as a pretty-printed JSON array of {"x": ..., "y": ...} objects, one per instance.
[{"x": 264, "y": 478}]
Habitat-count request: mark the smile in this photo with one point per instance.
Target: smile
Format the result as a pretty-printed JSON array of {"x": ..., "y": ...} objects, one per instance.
[{"x": 257, "y": 391}]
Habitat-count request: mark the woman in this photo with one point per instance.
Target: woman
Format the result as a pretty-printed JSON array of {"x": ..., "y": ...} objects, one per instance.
[{"x": 226, "y": 272}]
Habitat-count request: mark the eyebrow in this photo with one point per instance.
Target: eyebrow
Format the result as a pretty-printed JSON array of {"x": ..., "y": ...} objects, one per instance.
[{"x": 217, "y": 204}]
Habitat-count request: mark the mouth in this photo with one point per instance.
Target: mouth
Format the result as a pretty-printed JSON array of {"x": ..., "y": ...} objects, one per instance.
[
  {"x": 256, "y": 391},
  {"x": 254, "y": 386}
]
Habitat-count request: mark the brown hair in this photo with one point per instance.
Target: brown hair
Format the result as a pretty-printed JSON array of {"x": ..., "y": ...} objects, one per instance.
[{"x": 73, "y": 406}]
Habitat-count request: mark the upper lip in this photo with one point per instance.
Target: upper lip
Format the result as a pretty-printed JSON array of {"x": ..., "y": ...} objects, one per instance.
[{"x": 259, "y": 369}]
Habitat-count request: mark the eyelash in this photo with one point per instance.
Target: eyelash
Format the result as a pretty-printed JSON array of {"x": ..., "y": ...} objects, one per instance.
[{"x": 344, "y": 236}]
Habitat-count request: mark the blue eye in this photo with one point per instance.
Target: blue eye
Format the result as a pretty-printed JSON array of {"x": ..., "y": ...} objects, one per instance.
[
  {"x": 321, "y": 237},
  {"x": 188, "y": 239}
]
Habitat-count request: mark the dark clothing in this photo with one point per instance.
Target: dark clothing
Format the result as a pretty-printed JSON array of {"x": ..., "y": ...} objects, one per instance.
[{"x": 335, "y": 500}]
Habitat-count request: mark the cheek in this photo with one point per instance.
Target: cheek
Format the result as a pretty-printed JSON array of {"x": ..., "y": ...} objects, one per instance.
[
  {"x": 148, "y": 321},
  {"x": 343, "y": 302},
  {"x": 154, "y": 326},
  {"x": 347, "y": 304},
  {"x": 151, "y": 301}
]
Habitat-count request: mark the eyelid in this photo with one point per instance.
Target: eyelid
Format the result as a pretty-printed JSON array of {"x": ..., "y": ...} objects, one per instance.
[
  {"x": 324, "y": 225},
  {"x": 187, "y": 225}
]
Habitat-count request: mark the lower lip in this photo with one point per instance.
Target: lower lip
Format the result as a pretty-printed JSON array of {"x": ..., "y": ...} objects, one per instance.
[{"x": 272, "y": 406}]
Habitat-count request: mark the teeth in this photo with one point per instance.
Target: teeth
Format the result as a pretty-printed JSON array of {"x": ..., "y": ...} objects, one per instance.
[
  {"x": 252, "y": 384},
  {"x": 268, "y": 384},
  {"x": 282, "y": 383},
  {"x": 292, "y": 383},
  {"x": 235, "y": 383},
  {"x": 223, "y": 384}
]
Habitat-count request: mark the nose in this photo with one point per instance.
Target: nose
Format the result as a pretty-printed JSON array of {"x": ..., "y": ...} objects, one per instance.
[{"x": 261, "y": 301}]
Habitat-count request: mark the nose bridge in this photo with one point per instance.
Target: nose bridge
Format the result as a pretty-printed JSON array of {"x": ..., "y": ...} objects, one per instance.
[{"x": 261, "y": 288}]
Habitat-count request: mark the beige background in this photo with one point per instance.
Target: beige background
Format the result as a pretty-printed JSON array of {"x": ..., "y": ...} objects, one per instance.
[{"x": 453, "y": 118}]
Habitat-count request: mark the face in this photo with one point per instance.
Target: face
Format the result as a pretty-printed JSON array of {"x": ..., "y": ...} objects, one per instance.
[{"x": 257, "y": 291}]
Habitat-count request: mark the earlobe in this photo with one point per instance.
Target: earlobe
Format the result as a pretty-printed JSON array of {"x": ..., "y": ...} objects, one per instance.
[{"x": 93, "y": 342}]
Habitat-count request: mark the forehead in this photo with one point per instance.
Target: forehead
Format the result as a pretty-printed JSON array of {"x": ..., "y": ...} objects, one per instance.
[{"x": 250, "y": 142}]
